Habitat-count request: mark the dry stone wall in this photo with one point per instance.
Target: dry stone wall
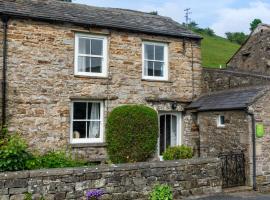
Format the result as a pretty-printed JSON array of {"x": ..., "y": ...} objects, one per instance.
[
  {"x": 42, "y": 84},
  {"x": 220, "y": 79},
  {"x": 192, "y": 177}
]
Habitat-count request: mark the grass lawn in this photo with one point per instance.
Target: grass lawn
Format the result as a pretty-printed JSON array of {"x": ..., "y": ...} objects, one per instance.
[{"x": 216, "y": 51}]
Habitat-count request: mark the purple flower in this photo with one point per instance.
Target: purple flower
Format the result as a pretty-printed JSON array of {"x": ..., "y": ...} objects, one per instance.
[{"x": 94, "y": 194}]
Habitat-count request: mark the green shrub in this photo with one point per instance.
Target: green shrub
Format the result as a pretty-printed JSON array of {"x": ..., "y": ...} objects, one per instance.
[
  {"x": 161, "y": 192},
  {"x": 131, "y": 133},
  {"x": 13, "y": 153},
  {"x": 54, "y": 159},
  {"x": 178, "y": 152}
]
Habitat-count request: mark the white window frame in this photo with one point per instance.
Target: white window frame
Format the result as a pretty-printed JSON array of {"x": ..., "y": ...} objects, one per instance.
[
  {"x": 104, "y": 67},
  {"x": 179, "y": 130},
  {"x": 219, "y": 121},
  {"x": 166, "y": 63},
  {"x": 87, "y": 140}
]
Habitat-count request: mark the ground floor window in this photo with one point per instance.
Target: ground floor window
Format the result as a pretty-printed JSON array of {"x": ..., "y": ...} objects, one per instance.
[
  {"x": 169, "y": 131},
  {"x": 87, "y": 122}
]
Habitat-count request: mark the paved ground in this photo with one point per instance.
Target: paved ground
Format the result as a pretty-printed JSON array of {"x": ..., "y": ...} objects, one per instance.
[{"x": 239, "y": 196}]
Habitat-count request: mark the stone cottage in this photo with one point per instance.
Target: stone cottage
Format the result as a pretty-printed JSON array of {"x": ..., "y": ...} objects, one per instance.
[
  {"x": 66, "y": 66},
  {"x": 233, "y": 112}
]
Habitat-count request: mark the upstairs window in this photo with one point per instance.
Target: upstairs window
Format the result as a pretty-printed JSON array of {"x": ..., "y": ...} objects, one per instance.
[
  {"x": 90, "y": 55},
  {"x": 155, "y": 61},
  {"x": 87, "y": 122}
]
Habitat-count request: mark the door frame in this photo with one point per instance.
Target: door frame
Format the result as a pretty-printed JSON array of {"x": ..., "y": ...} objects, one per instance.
[{"x": 179, "y": 133}]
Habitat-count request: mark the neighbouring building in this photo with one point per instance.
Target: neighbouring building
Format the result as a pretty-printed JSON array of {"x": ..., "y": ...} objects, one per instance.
[
  {"x": 233, "y": 112},
  {"x": 68, "y": 65}
]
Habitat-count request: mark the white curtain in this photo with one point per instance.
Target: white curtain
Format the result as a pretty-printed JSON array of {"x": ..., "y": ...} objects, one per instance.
[
  {"x": 94, "y": 125},
  {"x": 173, "y": 130}
]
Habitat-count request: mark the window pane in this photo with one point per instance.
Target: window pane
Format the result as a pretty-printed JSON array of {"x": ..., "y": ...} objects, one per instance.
[
  {"x": 149, "y": 52},
  {"x": 79, "y": 129},
  {"x": 94, "y": 111},
  {"x": 158, "y": 69},
  {"x": 159, "y": 53},
  {"x": 84, "y": 46},
  {"x": 96, "y": 47},
  {"x": 96, "y": 64},
  {"x": 93, "y": 129},
  {"x": 150, "y": 68},
  {"x": 222, "y": 120},
  {"x": 161, "y": 134},
  {"x": 79, "y": 110},
  {"x": 83, "y": 64},
  {"x": 168, "y": 131},
  {"x": 174, "y": 131}
]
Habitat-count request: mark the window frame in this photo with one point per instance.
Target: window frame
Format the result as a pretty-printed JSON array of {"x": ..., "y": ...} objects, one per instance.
[
  {"x": 165, "y": 76},
  {"x": 104, "y": 67},
  {"x": 87, "y": 140},
  {"x": 219, "y": 121}
]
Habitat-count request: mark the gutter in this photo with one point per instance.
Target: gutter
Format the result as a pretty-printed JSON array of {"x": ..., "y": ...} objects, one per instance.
[
  {"x": 253, "y": 151},
  {"x": 5, "y": 20}
]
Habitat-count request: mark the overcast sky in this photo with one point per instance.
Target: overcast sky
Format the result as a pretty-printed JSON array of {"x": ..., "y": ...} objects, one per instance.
[{"x": 220, "y": 15}]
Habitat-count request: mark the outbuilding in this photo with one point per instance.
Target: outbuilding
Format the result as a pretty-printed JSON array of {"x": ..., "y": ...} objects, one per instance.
[{"x": 235, "y": 124}]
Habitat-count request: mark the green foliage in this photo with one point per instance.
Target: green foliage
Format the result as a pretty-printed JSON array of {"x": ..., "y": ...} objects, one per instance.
[
  {"x": 29, "y": 196},
  {"x": 13, "y": 153},
  {"x": 237, "y": 37},
  {"x": 178, "y": 152},
  {"x": 131, "y": 133},
  {"x": 54, "y": 159},
  {"x": 254, "y": 24},
  {"x": 161, "y": 192},
  {"x": 153, "y": 12}
]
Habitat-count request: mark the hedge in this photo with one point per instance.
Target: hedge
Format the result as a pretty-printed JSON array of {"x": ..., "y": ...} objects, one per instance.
[{"x": 131, "y": 133}]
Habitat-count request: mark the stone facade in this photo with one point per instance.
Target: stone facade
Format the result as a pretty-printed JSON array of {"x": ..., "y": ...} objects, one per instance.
[
  {"x": 42, "y": 84},
  {"x": 254, "y": 55},
  {"x": 193, "y": 177},
  {"x": 261, "y": 110},
  {"x": 235, "y": 136},
  {"x": 217, "y": 79}
]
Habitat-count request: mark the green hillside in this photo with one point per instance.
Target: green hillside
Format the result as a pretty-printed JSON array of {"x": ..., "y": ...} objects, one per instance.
[{"x": 216, "y": 51}]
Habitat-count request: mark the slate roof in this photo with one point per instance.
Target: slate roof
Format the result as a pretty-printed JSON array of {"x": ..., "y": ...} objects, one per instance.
[
  {"x": 234, "y": 99},
  {"x": 95, "y": 16}
]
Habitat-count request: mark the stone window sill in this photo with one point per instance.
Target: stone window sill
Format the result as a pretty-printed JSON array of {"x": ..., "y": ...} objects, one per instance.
[
  {"x": 85, "y": 145},
  {"x": 92, "y": 77},
  {"x": 151, "y": 80}
]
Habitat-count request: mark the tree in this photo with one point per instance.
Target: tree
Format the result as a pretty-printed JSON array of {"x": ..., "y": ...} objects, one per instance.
[
  {"x": 237, "y": 37},
  {"x": 153, "y": 12},
  {"x": 209, "y": 31},
  {"x": 193, "y": 25},
  {"x": 254, "y": 24}
]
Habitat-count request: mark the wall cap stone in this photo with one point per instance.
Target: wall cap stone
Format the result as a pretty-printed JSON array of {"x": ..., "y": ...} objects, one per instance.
[{"x": 105, "y": 168}]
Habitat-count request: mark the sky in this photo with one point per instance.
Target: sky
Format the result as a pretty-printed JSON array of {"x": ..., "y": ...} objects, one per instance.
[{"x": 220, "y": 15}]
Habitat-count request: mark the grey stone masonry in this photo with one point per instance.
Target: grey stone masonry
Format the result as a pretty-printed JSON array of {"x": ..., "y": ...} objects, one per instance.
[{"x": 124, "y": 181}]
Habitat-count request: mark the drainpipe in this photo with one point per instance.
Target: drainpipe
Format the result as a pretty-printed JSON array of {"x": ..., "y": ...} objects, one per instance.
[
  {"x": 253, "y": 150},
  {"x": 4, "y": 83}
]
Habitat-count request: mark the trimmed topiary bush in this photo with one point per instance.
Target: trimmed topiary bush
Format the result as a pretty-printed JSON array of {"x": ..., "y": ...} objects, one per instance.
[
  {"x": 131, "y": 133},
  {"x": 178, "y": 152}
]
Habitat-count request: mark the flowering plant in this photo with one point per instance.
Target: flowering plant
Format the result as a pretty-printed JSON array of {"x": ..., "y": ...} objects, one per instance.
[{"x": 94, "y": 194}]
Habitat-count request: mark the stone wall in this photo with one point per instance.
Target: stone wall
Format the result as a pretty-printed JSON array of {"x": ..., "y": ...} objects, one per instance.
[
  {"x": 42, "y": 84},
  {"x": 126, "y": 181},
  {"x": 261, "y": 110},
  {"x": 235, "y": 136},
  {"x": 254, "y": 55},
  {"x": 220, "y": 79},
  {"x": 235, "y": 133}
]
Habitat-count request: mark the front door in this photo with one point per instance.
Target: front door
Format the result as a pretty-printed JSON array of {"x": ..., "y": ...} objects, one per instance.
[{"x": 169, "y": 131}]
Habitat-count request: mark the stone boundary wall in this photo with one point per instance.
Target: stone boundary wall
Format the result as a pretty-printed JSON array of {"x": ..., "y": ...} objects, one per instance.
[
  {"x": 191, "y": 177},
  {"x": 220, "y": 79}
]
